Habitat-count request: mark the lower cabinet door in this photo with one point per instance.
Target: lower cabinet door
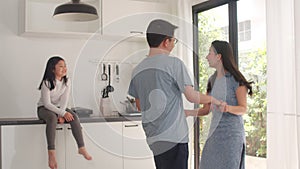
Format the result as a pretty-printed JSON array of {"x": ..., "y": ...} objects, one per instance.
[
  {"x": 136, "y": 153},
  {"x": 60, "y": 148},
  {"x": 24, "y": 146},
  {"x": 103, "y": 141}
]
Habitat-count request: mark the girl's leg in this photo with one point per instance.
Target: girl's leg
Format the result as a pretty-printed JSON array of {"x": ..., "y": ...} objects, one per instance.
[
  {"x": 77, "y": 133},
  {"x": 86, "y": 155},
  {"x": 52, "y": 159},
  {"x": 51, "y": 120}
]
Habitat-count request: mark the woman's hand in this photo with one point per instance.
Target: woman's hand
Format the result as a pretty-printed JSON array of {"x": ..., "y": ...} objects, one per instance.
[
  {"x": 223, "y": 106},
  {"x": 68, "y": 117},
  {"x": 61, "y": 120}
]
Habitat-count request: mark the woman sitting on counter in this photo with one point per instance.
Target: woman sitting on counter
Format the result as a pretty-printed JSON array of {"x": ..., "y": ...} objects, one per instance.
[{"x": 52, "y": 107}]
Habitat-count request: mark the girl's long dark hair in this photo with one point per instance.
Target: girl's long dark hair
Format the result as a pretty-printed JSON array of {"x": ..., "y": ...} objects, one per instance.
[
  {"x": 225, "y": 49},
  {"x": 49, "y": 76}
]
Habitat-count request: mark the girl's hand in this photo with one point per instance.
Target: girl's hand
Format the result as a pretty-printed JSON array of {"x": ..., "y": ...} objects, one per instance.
[
  {"x": 68, "y": 117},
  {"x": 61, "y": 120}
]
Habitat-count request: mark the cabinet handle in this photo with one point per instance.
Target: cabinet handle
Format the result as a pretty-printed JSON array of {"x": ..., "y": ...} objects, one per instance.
[
  {"x": 70, "y": 128},
  {"x": 137, "y": 32},
  {"x": 60, "y": 128},
  {"x": 132, "y": 125}
]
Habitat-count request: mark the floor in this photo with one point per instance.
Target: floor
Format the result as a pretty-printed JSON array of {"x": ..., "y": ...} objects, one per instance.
[
  {"x": 256, "y": 163},
  {"x": 251, "y": 162}
]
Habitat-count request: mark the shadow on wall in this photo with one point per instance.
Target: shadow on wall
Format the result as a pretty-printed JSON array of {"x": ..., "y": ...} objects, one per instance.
[
  {"x": 7, "y": 94},
  {"x": 10, "y": 15}
]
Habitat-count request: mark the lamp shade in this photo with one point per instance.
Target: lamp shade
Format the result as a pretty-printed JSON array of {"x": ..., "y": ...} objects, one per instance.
[{"x": 75, "y": 11}]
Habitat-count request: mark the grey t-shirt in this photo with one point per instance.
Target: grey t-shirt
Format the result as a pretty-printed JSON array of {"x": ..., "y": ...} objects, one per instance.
[{"x": 158, "y": 82}]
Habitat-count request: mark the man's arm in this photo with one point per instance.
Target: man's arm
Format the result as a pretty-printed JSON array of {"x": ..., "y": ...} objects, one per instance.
[
  {"x": 198, "y": 98},
  {"x": 138, "y": 104}
]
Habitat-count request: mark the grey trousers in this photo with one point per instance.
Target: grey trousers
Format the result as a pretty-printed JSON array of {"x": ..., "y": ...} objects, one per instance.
[{"x": 51, "y": 119}]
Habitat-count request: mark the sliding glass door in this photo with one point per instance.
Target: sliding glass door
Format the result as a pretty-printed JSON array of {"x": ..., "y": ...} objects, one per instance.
[
  {"x": 214, "y": 20},
  {"x": 253, "y": 64},
  {"x": 212, "y": 25},
  {"x": 241, "y": 23}
]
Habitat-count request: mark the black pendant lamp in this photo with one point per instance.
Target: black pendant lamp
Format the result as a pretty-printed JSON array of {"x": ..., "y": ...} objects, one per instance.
[{"x": 75, "y": 11}]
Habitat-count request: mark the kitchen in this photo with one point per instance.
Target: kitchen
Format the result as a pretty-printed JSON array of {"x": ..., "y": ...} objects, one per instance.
[
  {"x": 90, "y": 49},
  {"x": 23, "y": 57}
]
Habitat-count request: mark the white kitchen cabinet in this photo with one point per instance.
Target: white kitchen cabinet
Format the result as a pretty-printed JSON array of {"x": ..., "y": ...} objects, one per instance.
[
  {"x": 136, "y": 153},
  {"x": 29, "y": 149},
  {"x": 127, "y": 18},
  {"x": 117, "y": 145},
  {"x": 121, "y": 18},
  {"x": 24, "y": 146},
  {"x": 104, "y": 143},
  {"x": 60, "y": 147},
  {"x": 35, "y": 19}
]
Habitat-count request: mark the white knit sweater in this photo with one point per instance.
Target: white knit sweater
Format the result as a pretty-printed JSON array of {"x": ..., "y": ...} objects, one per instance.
[{"x": 55, "y": 100}]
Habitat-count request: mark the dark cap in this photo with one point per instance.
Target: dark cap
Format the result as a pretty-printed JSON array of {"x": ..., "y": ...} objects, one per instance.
[{"x": 161, "y": 27}]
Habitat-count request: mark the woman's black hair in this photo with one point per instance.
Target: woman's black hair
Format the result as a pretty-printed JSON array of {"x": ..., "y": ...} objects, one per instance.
[
  {"x": 49, "y": 76},
  {"x": 225, "y": 49}
]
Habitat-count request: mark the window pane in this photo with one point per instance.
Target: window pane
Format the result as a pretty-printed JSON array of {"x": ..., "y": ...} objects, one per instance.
[
  {"x": 247, "y": 25},
  {"x": 247, "y": 35},
  {"x": 241, "y": 26},
  {"x": 212, "y": 25}
]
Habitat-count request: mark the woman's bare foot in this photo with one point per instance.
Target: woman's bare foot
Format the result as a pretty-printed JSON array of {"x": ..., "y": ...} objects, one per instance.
[
  {"x": 52, "y": 159},
  {"x": 85, "y": 154}
]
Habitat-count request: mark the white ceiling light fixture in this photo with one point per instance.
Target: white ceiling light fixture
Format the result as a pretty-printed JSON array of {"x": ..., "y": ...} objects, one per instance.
[{"x": 75, "y": 11}]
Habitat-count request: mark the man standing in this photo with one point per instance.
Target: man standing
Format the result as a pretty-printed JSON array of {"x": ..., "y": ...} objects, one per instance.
[{"x": 157, "y": 84}]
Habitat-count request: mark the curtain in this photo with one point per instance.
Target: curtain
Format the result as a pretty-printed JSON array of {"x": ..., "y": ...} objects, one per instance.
[
  {"x": 283, "y": 84},
  {"x": 185, "y": 33},
  {"x": 184, "y": 50}
]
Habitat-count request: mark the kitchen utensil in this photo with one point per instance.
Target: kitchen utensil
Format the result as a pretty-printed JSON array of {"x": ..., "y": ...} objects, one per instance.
[
  {"x": 130, "y": 100},
  {"x": 104, "y": 93},
  {"x": 103, "y": 75},
  {"x": 109, "y": 88},
  {"x": 129, "y": 107},
  {"x": 105, "y": 107},
  {"x": 117, "y": 73}
]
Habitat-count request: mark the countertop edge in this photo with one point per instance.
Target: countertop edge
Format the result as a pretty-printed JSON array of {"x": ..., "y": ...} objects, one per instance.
[{"x": 33, "y": 121}]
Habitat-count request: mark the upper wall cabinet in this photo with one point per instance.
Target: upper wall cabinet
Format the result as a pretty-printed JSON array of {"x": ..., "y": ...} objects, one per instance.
[
  {"x": 36, "y": 19},
  {"x": 117, "y": 18},
  {"x": 128, "y": 18}
]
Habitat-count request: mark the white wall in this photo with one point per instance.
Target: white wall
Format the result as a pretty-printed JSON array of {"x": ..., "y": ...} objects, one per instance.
[
  {"x": 23, "y": 60},
  {"x": 22, "y": 63},
  {"x": 195, "y": 2}
]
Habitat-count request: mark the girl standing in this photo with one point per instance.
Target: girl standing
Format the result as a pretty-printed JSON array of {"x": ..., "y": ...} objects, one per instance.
[
  {"x": 225, "y": 145},
  {"x": 52, "y": 107}
]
